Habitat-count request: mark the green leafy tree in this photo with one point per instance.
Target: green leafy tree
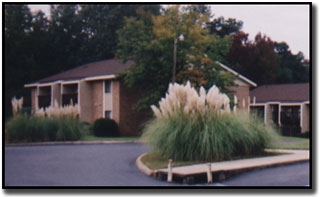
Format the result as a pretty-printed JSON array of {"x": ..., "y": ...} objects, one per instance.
[
  {"x": 83, "y": 33},
  {"x": 65, "y": 32},
  {"x": 149, "y": 41},
  {"x": 17, "y": 30},
  {"x": 223, "y": 27},
  {"x": 292, "y": 68},
  {"x": 100, "y": 23},
  {"x": 35, "y": 47}
]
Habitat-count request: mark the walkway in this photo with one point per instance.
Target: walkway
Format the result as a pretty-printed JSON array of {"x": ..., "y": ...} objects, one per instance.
[{"x": 225, "y": 169}]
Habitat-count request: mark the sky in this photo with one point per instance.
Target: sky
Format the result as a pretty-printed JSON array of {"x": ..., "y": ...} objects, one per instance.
[
  {"x": 288, "y": 23},
  {"x": 282, "y": 23}
]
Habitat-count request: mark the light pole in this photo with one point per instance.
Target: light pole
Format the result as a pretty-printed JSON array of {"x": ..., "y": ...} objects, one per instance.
[{"x": 181, "y": 38}]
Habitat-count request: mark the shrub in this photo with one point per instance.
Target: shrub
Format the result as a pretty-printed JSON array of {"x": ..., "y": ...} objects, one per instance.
[
  {"x": 69, "y": 129},
  {"x": 52, "y": 123},
  {"x": 191, "y": 126},
  {"x": 16, "y": 128},
  {"x": 105, "y": 128},
  {"x": 33, "y": 129}
]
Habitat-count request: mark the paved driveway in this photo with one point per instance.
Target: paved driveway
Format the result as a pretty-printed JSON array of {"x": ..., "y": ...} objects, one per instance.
[
  {"x": 76, "y": 165},
  {"x": 287, "y": 175},
  {"x": 114, "y": 165}
]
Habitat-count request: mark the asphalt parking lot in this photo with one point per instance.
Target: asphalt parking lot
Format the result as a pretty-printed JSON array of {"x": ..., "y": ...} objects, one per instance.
[{"x": 114, "y": 165}]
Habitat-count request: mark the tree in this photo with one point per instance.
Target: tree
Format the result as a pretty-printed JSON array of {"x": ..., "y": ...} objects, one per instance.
[
  {"x": 67, "y": 38},
  {"x": 223, "y": 27},
  {"x": 149, "y": 41},
  {"x": 100, "y": 23},
  {"x": 265, "y": 61},
  {"x": 17, "y": 29},
  {"x": 292, "y": 68},
  {"x": 256, "y": 60},
  {"x": 36, "y": 47},
  {"x": 83, "y": 33}
]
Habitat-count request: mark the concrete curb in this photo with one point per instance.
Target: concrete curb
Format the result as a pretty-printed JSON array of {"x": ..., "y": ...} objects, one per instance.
[
  {"x": 71, "y": 143},
  {"x": 143, "y": 168},
  {"x": 224, "y": 170}
]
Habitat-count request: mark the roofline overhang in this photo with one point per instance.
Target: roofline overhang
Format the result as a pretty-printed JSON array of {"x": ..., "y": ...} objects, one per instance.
[
  {"x": 31, "y": 85},
  {"x": 68, "y": 82},
  {"x": 294, "y": 103},
  {"x": 237, "y": 74},
  {"x": 97, "y": 78}
]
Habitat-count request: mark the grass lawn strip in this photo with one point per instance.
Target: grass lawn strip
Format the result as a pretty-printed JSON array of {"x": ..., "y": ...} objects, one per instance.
[
  {"x": 286, "y": 142},
  {"x": 94, "y": 138},
  {"x": 155, "y": 161}
]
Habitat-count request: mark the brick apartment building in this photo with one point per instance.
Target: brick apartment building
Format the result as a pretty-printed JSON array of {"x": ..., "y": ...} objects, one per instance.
[{"x": 99, "y": 94}]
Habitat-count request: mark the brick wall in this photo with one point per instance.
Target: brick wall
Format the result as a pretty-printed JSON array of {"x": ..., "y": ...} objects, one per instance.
[
  {"x": 123, "y": 101},
  {"x": 242, "y": 93},
  {"x": 97, "y": 98},
  {"x": 33, "y": 99},
  {"x": 86, "y": 98},
  {"x": 130, "y": 121},
  {"x": 116, "y": 101}
]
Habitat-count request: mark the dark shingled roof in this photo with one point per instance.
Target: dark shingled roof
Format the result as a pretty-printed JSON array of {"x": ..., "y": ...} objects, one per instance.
[
  {"x": 281, "y": 92},
  {"x": 95, "y": 69}
]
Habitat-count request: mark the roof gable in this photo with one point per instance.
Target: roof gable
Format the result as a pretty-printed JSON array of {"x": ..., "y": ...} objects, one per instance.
[
  {"x": 281, "y": 93},
  {"x": 95, "y": 69},
  {"x": 100, "y": 69},
  {"x": 244, "y": 79}
]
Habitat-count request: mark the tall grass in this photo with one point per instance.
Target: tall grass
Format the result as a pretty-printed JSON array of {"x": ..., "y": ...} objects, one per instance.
[
  {"x": 205, "y": 133},
  {"x": 16, "y": 105},
  {"x": 51, "y": 124},
  {"x": 34, "y": 129},
  {"x": 213, "y": 138}
]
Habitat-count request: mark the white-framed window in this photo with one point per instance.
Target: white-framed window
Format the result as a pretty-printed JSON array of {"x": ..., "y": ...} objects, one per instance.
[
  {"x": 107, "y": 86},
  {"x": 107, "y": 114}
]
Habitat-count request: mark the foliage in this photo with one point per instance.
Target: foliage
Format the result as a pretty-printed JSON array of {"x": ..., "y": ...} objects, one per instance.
[
  {"x": 292, "y": 68},
  {"x": 222, "y": 27},
  {"x": 105, "y": 128},
  {"x": 55, "y": 111},
  {"x": 149, "y": 41},
  {"x": 285, "y": 142},
  {"x": 36, "y": 47},
  {"x": 256, "y": 60},
  {"x": 191, "y": 126},
  {"x": 265, "y": 61},
  {"x": 69, "y": 129},
  {"x": 185, "y": 99},
  {"x": 34, "y": 129},
  {"x": 16, "y": 105},
  {"x": 90, "y": 137}
]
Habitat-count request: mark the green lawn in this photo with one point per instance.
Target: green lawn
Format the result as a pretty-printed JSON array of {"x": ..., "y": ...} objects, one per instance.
[
  {"x": 285, "y": 142},
  {"x": 94, "y": 138},
  {"x": 156, "y": 161}
]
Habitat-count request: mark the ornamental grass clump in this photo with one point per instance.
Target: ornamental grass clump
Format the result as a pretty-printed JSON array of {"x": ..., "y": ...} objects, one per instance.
[
  {"x": 70, "y": 111},
  {"x": 192, "y": 126},
  {"x": 51, "y": 124},
  {"x": 16, "y": 105}
]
